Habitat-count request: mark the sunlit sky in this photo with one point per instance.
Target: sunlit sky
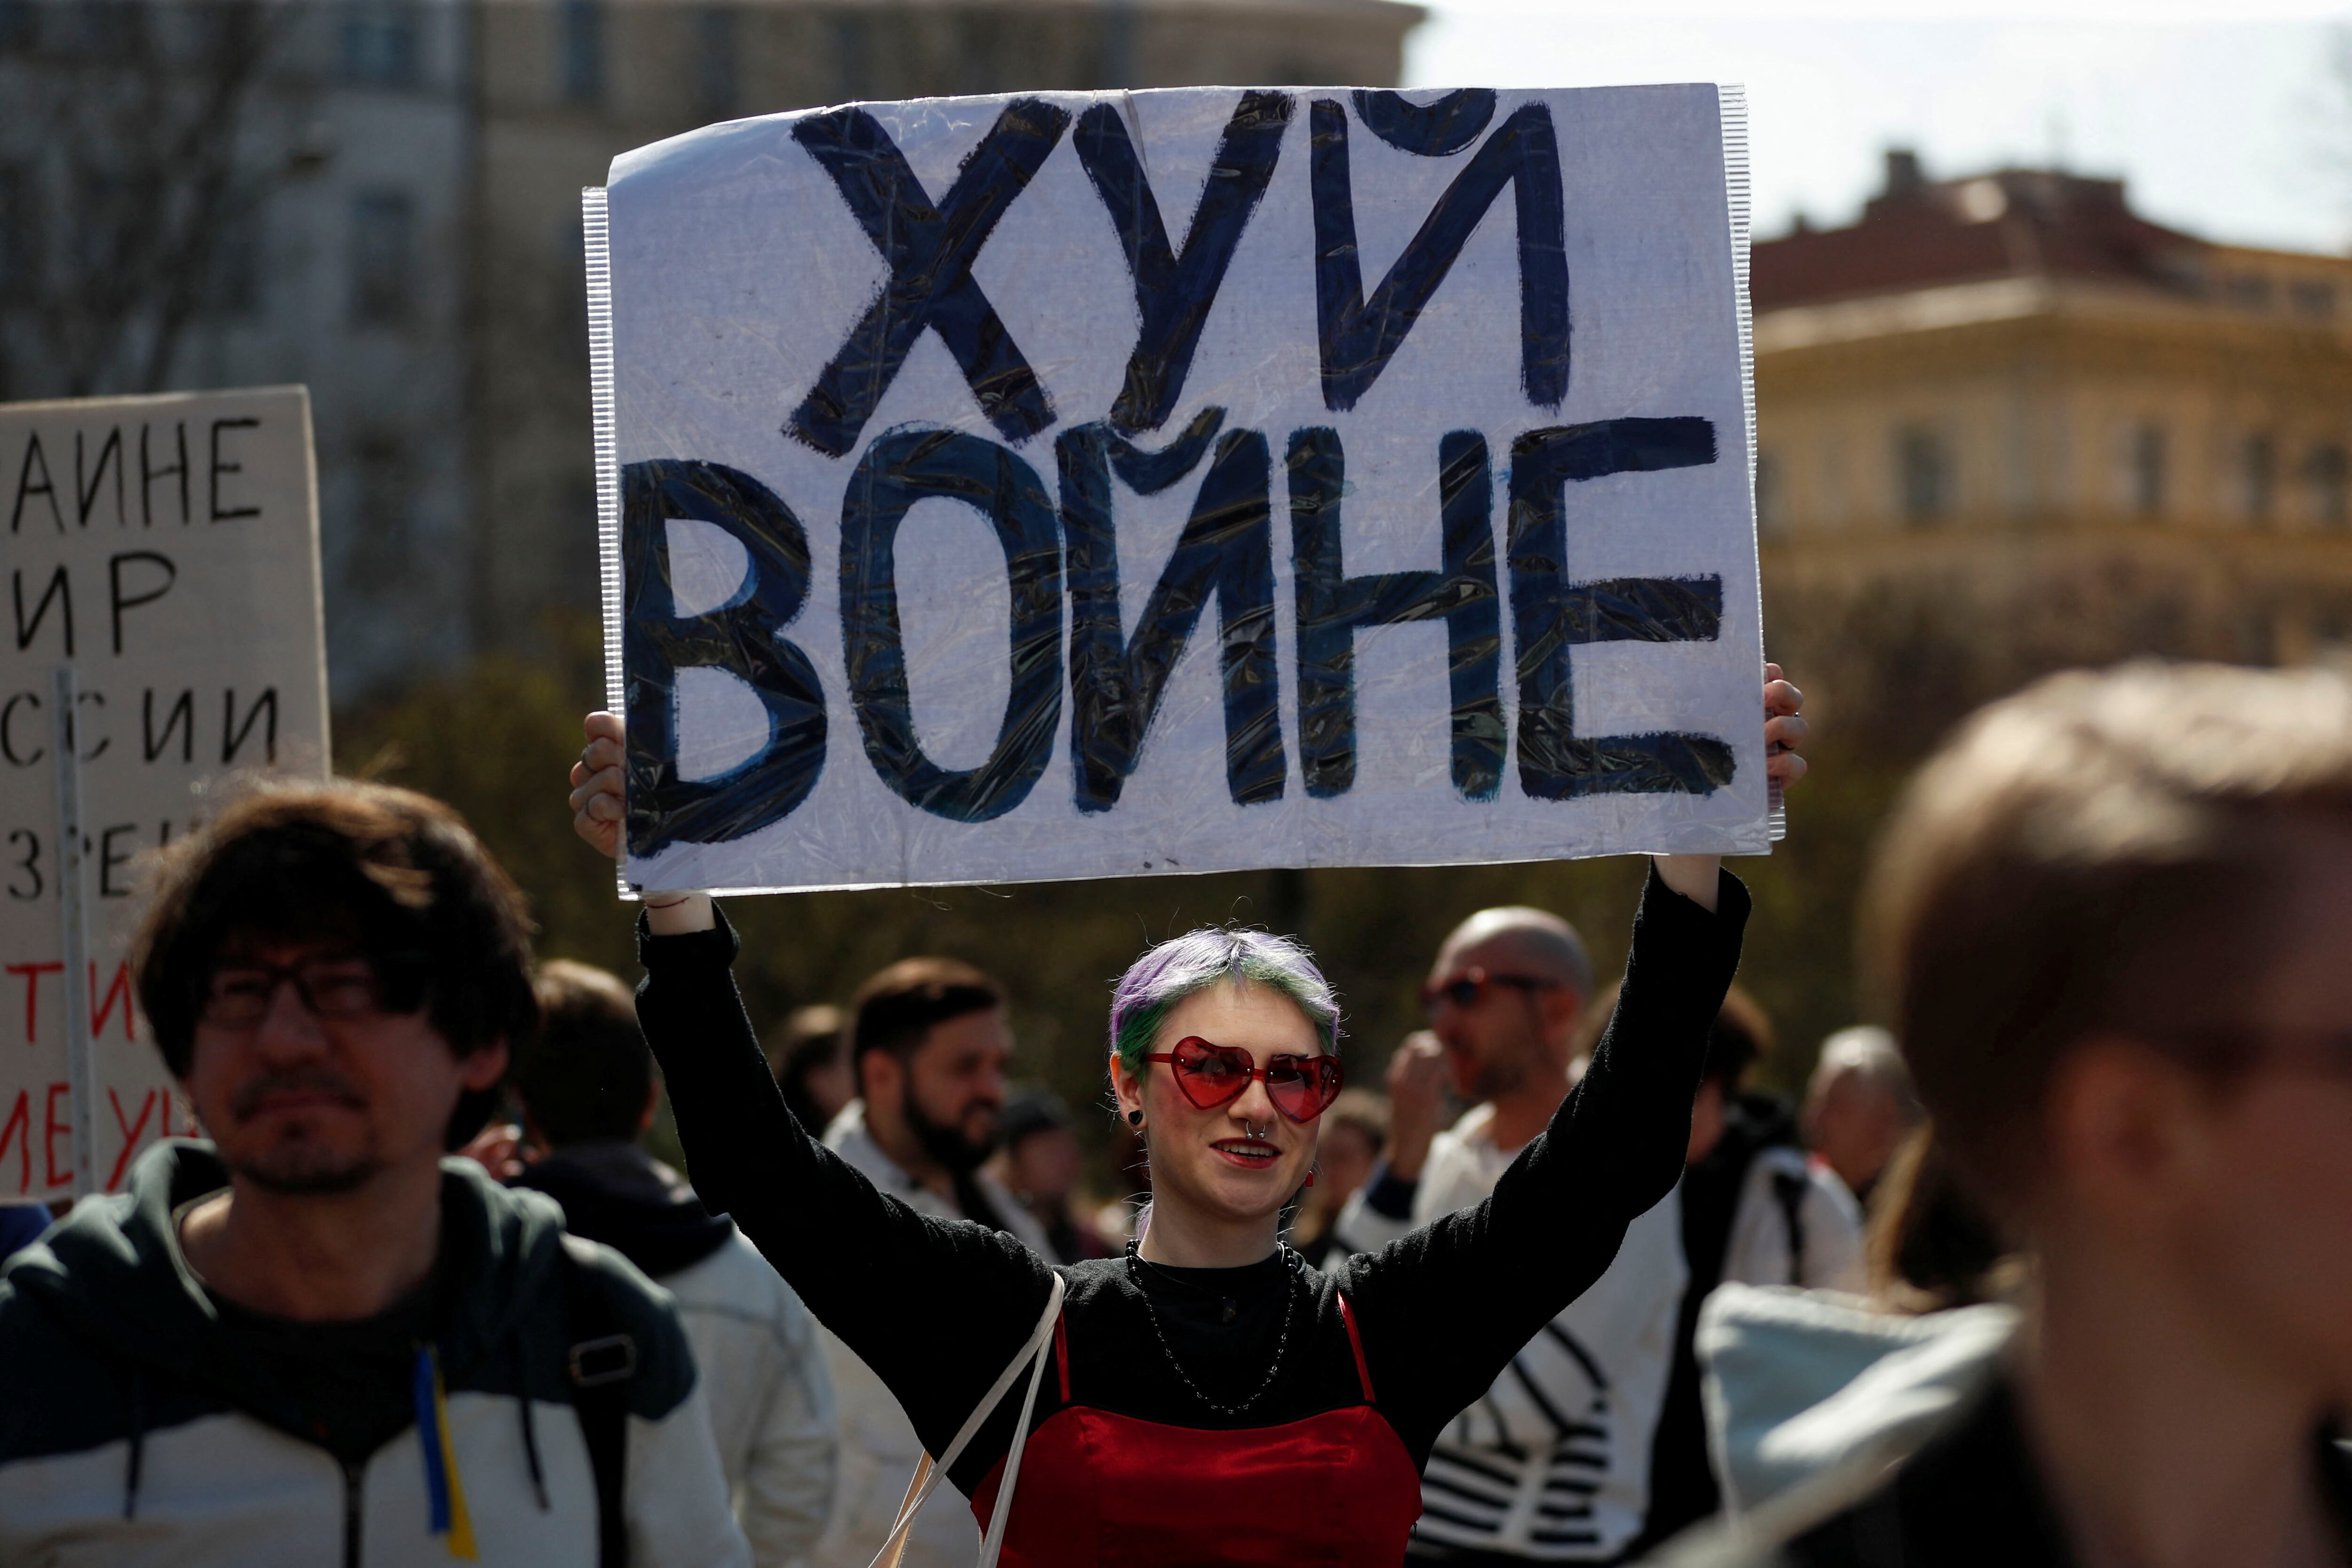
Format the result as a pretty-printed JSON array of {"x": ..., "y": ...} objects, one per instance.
[{"x": 2235, "y": 124}]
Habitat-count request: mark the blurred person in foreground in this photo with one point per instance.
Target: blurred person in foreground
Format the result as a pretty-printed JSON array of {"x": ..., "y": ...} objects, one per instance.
[
  {"x": 1039, "y": 1162},
  {"x": 810, "y": 1057},
  {"x": 312, "y": 1339},
  {"x": 1859, "y": 1107},
  {"x": 588, "y": 1089},
  {"x": 929, "y": 1042},
  {"x": 2111, "y": 926},
  {"x": 1754, "y": 1211},
  {"x": 1553, "y": 1464},
  {"x": 1349, "y": 1141}
]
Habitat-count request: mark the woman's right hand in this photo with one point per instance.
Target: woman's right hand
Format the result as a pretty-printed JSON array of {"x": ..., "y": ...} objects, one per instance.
[
  {"x": 597, "y": 803},
  {"x": 597, "y": 807}
]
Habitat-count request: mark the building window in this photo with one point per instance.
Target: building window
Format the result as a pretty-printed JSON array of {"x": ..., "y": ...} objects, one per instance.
[
  {"x": 20, "y": 24},
  {"x": 2314, "y": 300},
  {"x": 384, "y": 238},
  {"x": 383, "y": 521},
  {"x": 20, "y": 245},
  {"x": 2329, "y": 474},
  {"x": 2250, "y": 291},
  {"x": 714, "y": 63},
  {"x": 2258, "y": 476},
  {"x": 580, "y": 49},
  {"x": 380, "y": 45},
  {"x": 2143, "y": 465},
  {"x": 233, "y": 277},
  {"x": 1924, "y": 477},
  {"x": 1771, "y": 507},
  {"x": 853, "y": 55}
]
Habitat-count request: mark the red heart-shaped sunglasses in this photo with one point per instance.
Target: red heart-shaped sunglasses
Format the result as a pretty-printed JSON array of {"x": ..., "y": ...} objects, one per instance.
[{"x": 1302, "y": 1087}]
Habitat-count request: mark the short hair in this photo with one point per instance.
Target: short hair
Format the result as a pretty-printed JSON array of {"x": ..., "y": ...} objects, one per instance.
[
  {"x": 1365, "y": 1111},
  {"x": 1174, "y": 969},
  {"x": 388, "y": 870},
  {"x": 1870, "y": 1054},
  {"x": 587, "y": 1076},
  {"x": 1740, "y": 1036},
  {"x": 1551, "y": 940},
  {"x": 808, "y": 1037},
  {"x": 1028, "y": 1113},
  {"x": 896, "y": 1008},
  {"x": 2102, "y": 852}
]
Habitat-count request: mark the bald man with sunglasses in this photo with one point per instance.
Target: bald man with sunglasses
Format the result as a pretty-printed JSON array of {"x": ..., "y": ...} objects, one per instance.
[{"x": 1553, "y": 1465}]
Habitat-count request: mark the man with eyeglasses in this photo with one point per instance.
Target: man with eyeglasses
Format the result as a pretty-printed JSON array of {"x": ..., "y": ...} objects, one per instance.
[
  {"x": 1553, "y": 1465},
  {"x": 313, "y": 1339}
]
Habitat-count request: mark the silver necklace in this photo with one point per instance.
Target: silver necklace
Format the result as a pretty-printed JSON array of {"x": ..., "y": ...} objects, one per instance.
[{"x": 1289, "y": 1307}]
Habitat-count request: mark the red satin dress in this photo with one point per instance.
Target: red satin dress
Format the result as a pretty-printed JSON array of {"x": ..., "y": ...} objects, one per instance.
[{"x": 1099, "y": 1489}]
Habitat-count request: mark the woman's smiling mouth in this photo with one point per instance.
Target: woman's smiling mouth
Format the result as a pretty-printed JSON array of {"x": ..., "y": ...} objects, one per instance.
[{"x": 1249, "y": 1154}]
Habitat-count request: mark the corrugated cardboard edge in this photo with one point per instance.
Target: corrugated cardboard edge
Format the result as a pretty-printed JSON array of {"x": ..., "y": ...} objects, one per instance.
[
  {"x": 594, "y": 230},
  {"x": 1732, "y": 99}
]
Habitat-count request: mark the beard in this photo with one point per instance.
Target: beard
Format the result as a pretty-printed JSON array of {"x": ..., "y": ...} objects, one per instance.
[
  {"x": 298, "y": 1168},
  {"x": 296, "y": 1164},
  {"x": 946, "y": 1141}
]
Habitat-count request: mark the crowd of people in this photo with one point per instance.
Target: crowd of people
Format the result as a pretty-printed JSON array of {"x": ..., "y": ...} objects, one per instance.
[{"x": 2051, "y": 1270}]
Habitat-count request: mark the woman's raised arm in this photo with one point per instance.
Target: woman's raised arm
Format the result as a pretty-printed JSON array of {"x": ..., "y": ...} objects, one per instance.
[{"x": 872, "y": 1269}]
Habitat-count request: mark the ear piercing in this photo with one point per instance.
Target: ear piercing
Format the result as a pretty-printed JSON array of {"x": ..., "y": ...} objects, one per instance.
[{"x": 1134, "y": 1117}]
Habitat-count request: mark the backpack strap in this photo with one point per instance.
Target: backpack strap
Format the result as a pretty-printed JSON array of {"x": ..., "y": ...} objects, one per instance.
[
  {"x": 1788, "y": 1188},
  {"x": 601, "y": 1359}
]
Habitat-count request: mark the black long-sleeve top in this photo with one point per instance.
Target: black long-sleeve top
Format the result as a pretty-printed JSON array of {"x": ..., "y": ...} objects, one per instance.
[{"x": 936, "y": 1308}]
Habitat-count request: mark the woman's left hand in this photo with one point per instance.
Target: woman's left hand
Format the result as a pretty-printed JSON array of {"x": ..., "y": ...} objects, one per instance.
[
  {"x": 1784, "y": 728},
  {"x": 1694, "y": 877}
]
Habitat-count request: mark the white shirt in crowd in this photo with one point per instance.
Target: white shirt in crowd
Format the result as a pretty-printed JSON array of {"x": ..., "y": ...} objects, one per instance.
[
  {"x": 879, "y": 1446},
  {"x": 1758, "y": 1253},
  {"x": 1553, "y": 1465},
  {"x": 771, "y": 1403}
]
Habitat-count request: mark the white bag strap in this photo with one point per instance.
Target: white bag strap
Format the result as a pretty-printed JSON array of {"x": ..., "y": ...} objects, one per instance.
[{"x": 928, "y": 1473}]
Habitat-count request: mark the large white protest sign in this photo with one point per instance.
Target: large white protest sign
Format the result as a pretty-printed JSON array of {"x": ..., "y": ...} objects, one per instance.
[
  {"x": 163, "y": 561},
  {"x": 1075, "y": 485}
]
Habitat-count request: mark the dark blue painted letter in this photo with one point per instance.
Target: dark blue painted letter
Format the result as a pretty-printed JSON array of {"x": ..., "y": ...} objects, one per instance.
[
  {"x": 930, "y": 250},
  {"x": 1227, "y": 549},
  {"x": 1174, "y": 294},
  {"x": 742, "y": 637},
  {"x": 1552, "y": 614},
  {"x": 1360, "y": 336},
  {"x": 1331, "y": 606},
  {"x": 901, "y": 467}
]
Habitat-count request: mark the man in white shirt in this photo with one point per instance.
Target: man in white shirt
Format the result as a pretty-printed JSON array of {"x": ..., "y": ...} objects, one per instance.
[
  {"x": 1552, "y": 1466},
  {"x": 928, "y": 1041}
]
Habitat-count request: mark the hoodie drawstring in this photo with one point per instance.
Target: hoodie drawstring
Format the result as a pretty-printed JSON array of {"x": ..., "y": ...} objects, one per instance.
[
  {"x": 138, "y": 1444},
  {"x": 530, "y": 1435}
]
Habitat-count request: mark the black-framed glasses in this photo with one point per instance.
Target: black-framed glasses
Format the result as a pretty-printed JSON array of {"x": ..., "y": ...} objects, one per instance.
[
  {"x": 1469, "y": 988},
  {"x": 238, "y": 992}
]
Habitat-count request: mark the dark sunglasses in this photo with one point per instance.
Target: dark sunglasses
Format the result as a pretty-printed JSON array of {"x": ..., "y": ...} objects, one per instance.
[
  {"x": 1302, "y": 1087},
  {"x": 1468, "y": 989},
  {"x": 238, "y": 992}
]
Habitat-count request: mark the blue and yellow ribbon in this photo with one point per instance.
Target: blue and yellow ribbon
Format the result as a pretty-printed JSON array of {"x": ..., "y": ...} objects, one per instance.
[{"x": 444, "y": 1494}]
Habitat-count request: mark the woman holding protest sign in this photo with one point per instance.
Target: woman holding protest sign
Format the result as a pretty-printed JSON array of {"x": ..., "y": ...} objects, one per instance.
[{"x": 1208, "y": 1397}]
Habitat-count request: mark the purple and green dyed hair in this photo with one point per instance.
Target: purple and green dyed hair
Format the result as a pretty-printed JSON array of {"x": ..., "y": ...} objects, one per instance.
[{"x": 1178, "y": 967}]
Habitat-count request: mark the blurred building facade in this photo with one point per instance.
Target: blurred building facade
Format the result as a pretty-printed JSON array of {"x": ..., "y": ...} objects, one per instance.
[
  {"x": 381, "y": 198},
  {"x": 2012, "y": 395}
]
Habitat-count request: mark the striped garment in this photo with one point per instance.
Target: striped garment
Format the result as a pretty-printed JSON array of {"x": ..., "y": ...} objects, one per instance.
[{"x": 1553, "y": 1464}]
